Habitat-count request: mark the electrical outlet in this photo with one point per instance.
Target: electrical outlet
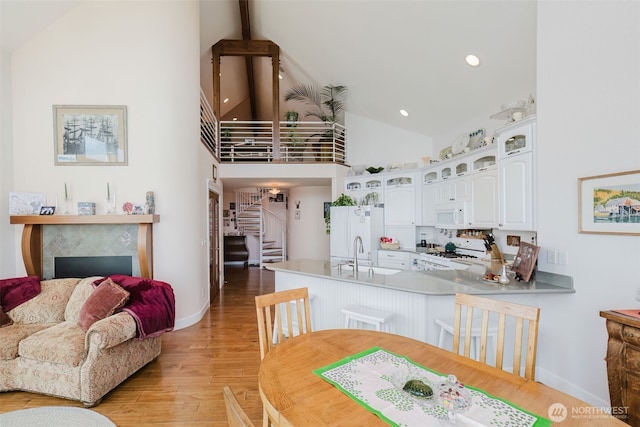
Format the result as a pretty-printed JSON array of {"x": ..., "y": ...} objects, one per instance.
[{"x": 552, "y": 256}]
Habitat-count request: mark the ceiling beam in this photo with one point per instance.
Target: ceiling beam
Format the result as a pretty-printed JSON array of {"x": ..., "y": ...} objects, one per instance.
[{"x": 248, "y": 60}]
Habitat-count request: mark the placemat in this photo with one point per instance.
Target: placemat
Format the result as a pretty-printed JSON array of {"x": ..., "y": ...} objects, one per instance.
[{"x": 372, "y": 378}]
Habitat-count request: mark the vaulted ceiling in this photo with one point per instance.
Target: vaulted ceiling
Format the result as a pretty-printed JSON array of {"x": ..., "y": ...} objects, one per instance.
[{"x": 391, "y": 54}]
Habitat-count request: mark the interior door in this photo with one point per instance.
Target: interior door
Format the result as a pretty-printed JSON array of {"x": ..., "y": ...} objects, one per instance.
[{"x": 214, "y": 245}]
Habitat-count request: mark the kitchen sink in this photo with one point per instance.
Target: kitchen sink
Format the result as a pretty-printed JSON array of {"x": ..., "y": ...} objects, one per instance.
[{"x": 364, "y": 269}]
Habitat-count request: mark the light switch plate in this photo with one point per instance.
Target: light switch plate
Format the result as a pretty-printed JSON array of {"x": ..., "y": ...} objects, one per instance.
[{"x": 552, "y": 256}]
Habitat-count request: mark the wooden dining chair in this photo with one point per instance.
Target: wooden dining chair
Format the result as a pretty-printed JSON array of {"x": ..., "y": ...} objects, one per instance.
[
  {"x": 487, "y": 307},
  {"x": 281, "y": 315},
  {"x": 235, "y": 414}
]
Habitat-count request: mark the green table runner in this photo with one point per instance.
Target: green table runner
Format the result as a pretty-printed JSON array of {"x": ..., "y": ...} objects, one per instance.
[{"x": 372, "y": 378}]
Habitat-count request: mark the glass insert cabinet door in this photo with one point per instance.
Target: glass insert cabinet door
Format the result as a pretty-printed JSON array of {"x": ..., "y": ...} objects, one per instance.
[{"x": 516, "y": 140}]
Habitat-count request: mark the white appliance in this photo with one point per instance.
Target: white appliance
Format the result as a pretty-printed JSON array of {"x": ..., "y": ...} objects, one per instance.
[
  {"x": 453, "y": 215},
  {"x": 347, "y": 222}
]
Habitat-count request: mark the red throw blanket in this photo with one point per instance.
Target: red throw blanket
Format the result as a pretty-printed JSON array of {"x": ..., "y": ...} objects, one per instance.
[
  {"x": 151, "y": 303},
  {"x": 18, "y": 290}
]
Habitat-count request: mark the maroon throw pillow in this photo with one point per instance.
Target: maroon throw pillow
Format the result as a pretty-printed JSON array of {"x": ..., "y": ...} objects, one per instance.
[
  {"x": 102, "y": 303},
  {"x": 5, "y": 320},
  {"x": 18, "y": 290}
]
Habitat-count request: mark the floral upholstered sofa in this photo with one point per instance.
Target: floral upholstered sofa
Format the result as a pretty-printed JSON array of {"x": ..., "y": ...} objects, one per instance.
[{"x": 65, "y": 342}]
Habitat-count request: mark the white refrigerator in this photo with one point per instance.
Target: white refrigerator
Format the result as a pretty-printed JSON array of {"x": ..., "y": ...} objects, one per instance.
[{"x": 347, "y": 222}]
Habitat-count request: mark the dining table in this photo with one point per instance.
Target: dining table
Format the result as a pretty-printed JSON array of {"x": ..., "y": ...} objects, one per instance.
[{"x": 294, "y": 394}]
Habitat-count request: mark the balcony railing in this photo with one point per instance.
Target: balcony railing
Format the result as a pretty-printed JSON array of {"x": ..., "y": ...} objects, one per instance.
[
  {"x": 251, "y": 141},
  {"x": 299, "y": 142}
]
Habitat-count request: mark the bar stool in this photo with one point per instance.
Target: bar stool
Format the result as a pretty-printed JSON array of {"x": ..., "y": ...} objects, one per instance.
[
  {"x": 379, "y": 318},
  {"x": 446, "y": 327}
]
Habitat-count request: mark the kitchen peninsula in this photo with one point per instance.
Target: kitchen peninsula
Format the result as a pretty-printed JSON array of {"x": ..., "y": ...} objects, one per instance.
[{"x": 415, "y": 297}]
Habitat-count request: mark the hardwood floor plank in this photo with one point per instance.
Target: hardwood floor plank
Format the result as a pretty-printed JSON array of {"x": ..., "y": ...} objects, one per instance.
[{"x": 183, "y": 387}]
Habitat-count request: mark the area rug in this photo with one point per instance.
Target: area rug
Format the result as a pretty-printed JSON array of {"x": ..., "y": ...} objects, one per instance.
[{"x": 55, "y": 416}]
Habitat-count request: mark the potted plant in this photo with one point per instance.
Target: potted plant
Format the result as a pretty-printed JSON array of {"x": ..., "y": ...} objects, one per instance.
[
  {"x": 327, "y": 104},
  {"x": 297, "y": 144}
]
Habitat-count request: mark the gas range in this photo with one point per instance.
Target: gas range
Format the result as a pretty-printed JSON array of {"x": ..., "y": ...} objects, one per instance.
[
  {"x": 440, "y": 260},
  {"x": 436, "y": 262}
]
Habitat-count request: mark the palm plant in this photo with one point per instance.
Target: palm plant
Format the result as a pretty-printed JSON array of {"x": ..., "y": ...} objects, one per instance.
[{"x": 327, "y": 104}]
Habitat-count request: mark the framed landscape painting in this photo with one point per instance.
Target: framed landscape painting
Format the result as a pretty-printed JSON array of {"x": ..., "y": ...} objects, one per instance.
[
  {"x": 89, "y": 135},
  {"x": 609, "y": 204}
]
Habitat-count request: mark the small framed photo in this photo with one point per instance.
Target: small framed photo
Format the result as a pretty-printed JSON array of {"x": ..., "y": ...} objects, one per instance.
[
  {"x": 609, "y": 204},
  {"x": 47, "y": 210},
  {"x": 90, "y": 135},
  {"x": 232, "y": 206}
]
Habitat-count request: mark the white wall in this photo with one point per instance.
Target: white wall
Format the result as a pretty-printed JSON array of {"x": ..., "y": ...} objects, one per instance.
[
  {"x": 144, "y": 55},
  {"x": 369, "y": 142},
  {"x": 306, "y": 237},
  {"x": 7, "y": 247},
  {"x": 588, "y": 90}
]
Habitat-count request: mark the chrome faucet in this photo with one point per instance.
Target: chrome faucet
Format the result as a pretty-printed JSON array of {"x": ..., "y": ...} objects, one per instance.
[{"x": 357, "y": 249}]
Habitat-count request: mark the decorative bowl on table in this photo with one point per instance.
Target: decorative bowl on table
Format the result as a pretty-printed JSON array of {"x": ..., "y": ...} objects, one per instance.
[
  {"x": 372, "y": 170},
  {"x": 415, "y": 387}
]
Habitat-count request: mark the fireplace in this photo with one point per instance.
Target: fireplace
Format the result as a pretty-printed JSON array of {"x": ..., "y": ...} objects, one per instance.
[
  {"x": 86, "y": 266},
  {"x": 47, "y": 237}
]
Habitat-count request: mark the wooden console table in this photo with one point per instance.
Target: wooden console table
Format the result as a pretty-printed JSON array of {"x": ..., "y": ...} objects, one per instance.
[
  {"x": 623, "y": 363},
  {"x": 32, "y": 236}
]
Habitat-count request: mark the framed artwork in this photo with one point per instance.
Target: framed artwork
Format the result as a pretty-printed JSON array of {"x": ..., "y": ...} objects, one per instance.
[
  {"x": 26, "y": 203},
  {"x": 90, "y": 135},
  {"x": 609, "y": 204},
  {"x": 525, "y": 261}
]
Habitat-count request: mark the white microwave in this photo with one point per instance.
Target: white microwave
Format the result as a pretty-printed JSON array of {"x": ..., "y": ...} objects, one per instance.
[{"x": 453, "y": 215}]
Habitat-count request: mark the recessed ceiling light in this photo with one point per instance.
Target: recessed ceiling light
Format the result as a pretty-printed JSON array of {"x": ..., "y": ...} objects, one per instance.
[
  {"x": 404, "y": 113},
  {"x": 225, "y": 100},
  {"x": 235, "y": 118},
  {"x": 472, "y": 60}
]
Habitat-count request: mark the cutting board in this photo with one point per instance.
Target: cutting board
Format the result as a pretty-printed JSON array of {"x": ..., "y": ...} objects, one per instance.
[{"x": 525, "y": 261}]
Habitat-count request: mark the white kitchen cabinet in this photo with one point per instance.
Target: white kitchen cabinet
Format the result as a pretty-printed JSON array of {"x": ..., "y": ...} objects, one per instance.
[
  {"x": 354, "y": 188},
  {"x": 484, "y": 198},
  {"x": 365, "y": 190},
  {"x": 516, "y": 183},
  {"x": 430, "y": 197},
  {"x": 399, "y": 199},
  {"x": 454, "y": 189},
  {"x": 394, "y": 259}
]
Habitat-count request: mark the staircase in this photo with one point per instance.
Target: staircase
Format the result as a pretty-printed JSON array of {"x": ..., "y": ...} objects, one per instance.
[{"x": 255, "y": 218}]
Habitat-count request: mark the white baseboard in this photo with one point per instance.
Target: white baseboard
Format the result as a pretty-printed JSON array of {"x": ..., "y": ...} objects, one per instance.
[
  {"x": 193, "y": 319},
  {"x": 559, "y": 383}
]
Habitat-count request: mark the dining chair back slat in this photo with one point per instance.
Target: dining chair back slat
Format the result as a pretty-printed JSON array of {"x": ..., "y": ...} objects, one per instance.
[
  {"x": 522, "y": 314},
  {"x": 274, "y": 312}
]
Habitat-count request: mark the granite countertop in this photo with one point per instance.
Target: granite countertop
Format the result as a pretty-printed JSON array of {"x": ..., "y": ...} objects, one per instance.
[{"x": 435, "y": 282}]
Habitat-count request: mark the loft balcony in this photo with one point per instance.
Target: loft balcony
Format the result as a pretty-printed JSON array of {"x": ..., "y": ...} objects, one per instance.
[{"x": 266, "y": 141}]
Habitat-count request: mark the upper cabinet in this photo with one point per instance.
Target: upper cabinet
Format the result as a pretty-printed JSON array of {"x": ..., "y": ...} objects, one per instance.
[
  {"x": 400, "y": 198},
  {"x": 516, "y": 181},
  {"x": 365, "y": 190}
]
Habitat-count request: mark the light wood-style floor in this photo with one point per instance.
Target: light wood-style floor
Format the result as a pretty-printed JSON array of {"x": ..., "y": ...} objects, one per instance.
[{"x": 183, "y": 387}]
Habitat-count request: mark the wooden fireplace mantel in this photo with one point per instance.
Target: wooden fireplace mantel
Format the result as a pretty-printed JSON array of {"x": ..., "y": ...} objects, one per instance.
[{"x": 32, "y": 236}]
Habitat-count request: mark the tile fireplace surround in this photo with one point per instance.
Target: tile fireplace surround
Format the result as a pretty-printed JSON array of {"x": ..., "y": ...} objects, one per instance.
[{"x": 45, "y": 237}]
